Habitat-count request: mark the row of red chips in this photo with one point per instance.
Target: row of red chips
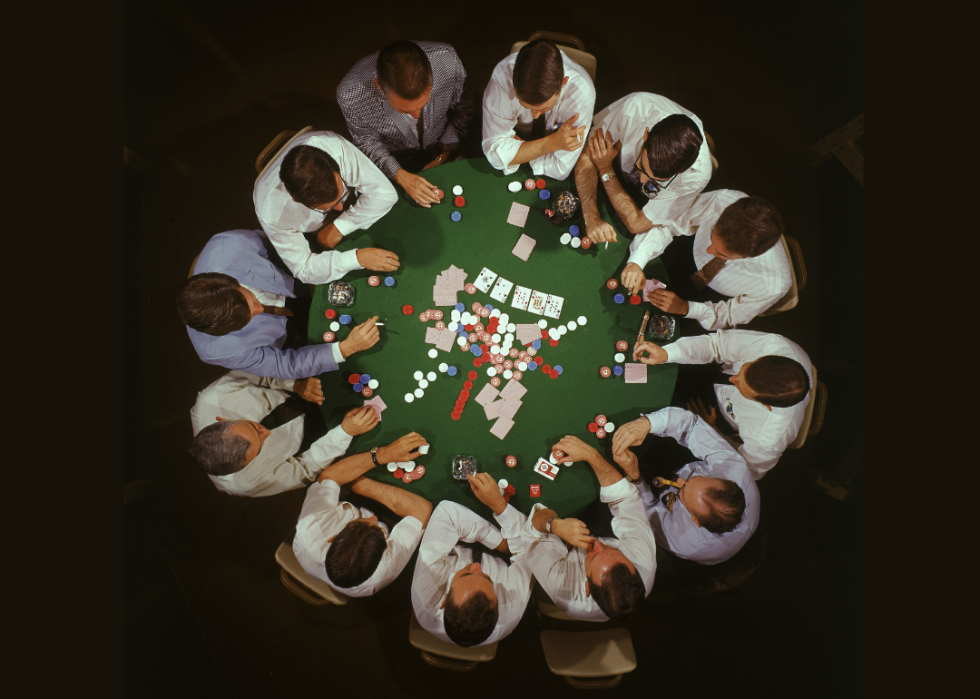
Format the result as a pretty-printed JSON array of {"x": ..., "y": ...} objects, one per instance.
[{"x": 464, "y": 395}]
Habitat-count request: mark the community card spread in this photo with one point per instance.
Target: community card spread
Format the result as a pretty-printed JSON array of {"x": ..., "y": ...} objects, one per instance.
[
  {"x": 485, "y": 280},
  {"x": 522, "y": 295},
  {"x": 546, "y": 469},
  {"x": 538, "y": 300},
  {"x": 501, "y": 290},
  {"x": 552, "y": 307},
  {"x": 518, "y": 214}
]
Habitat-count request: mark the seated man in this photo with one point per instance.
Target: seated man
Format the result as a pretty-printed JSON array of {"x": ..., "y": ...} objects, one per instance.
[
  {"x": 538, "y": 81},
  {"x": 460, "y": 595},
  {"x": 300, "y": 192},
  {"x": 234, "y": 307},
  {"x": 737, "y": 254},
  {"x": 409, "y": 109},
  {"x": 664, "y": 161},
  {"x": 242, "y": 456},
  {"x": 716, "y": 509},
  {"x": 597, "y": 579},
  {"x": 345, "y": 546},
  {"x": 767, "y": 393}
]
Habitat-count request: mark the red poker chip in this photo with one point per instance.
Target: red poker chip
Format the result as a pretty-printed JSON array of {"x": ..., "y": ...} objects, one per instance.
[
  {"x": 544, "y": 335},
  {"x": 511, "y": 461},
  {"x": 612, "y": 284},
  {"x": 464, "y": 394},
  {"x": 484, "y": 313},
  {"x": 605, "y": 372},
  {"x": 440, "y": 325},
  {"x": 622, "y": 345},
  {"x": 508, "y": 364},
  {"x": 468, "y": 385},
  {"x": 600, "y": 433},
  {"x": 635, "y": 300},
  {"x": 529, "y": 184},
  {"x": 418, "y": 472},
  {"x": 479, "y": 329},
  {"x": 330, "y": 313},
  {"x": 593, "y": 427},
  {"x": 329, "y": 337},
  {"x": 500, "y": 369},
  {"x": 456, "y": 415},
  {"x": 476, "y": 307},
  {"x": 538, "y": 360},
  {"x": 423, "y": 316},
  {"x": 553, "y": 343},
  {"x": 470, "y": 289},
  {"x": 473, "y": 337},
  {"x": 374, "y": 281},
  {"x": 495, "y": 381},
  {"x": 459, "y": 201},
  {"x": 546, "y": 368},
  {"x": 398, "y": 473},
  {"x": 516, "y": 376},
  {"x": 586, "y": 243},
  {"x": 601, "y": 420},
  {"x": 510, "y": 490},
  {"x": 440, "y": 193},
  {"x": 477, "y": 362},
  {"x": 514, "y": 354},
  {"x": 558, "y": 454},
  {"x": 541, "y": 184},
  {"x": 407, "y": 478},
  {"x": 506, "y": 497},
  {"x": 367, "y": 391},
  {"x": 437, "y": 314},
  {"x": 472, "y": 376},
  {"x": 353, "y": 379},
  {"x": 553, "y": 374},
  {"x": 465, "y": 346}
]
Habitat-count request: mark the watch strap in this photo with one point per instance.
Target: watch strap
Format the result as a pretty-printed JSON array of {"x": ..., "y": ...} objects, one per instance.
[{"x": 374, "y": 456}]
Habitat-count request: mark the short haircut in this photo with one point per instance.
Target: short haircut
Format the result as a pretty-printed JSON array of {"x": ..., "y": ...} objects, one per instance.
[
  {"x": 780, "y": 381},
  {"x": 673, "y": 145},
  {"x": 404, "y": 69},
  {"x": 726, "y": 504},
  {"x": 218, "y": 451},
  {"x": 750, "y": 226},
  {"x": 355, "y": 553},
  {"x": 471, "y": 623},
  {"x": 620, "y": 592},
  {"x": 310, "y": 176},
  {"x": 212, "y": 303},
  {"x": 538, "y": 72}
]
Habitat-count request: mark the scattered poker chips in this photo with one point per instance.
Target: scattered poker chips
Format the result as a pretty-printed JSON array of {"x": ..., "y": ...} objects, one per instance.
[
  {"x": 329, "y": 336},
  {"x": 544, "y": 194},
  {"x": 345, "y": 319},
  {"x": 576, "y": 243},
  {"x": 540, "y": 184},
  {"x": 622, "y": 345},
  {"x": 605, "y": 372},
  {"x": 529, "y": 184},
  {"x": 511, "y": 461},
  {"x": 469, "y": 288},
  {"x": 457, "y": 190},
  {"x": 612, "y": 284},
  {"x": 586, "y": 243},
  {"x": 408, "y": 310},
  {"x": 619, "y": 298},
  {"x": 459, "y": 201},
  {"x": 619, "y": 357},
  {"x": 330, "y": 313},
  {"x": 600, "y": 433},
  {"x": 514, "y": 186},
  {"x": 635, "y": 300},
  {"x": 573, "y": 230},
  {"x": 335, "y": 326},
  {"x": 618, "y": 370},
  {"x": 389, "y": 281},
  {"x": 374, "y": 281},
  {"x": 601, "y": 420}
]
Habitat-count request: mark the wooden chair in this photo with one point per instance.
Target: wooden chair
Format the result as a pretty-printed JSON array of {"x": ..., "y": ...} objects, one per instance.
[
  {"x": 447, "y": 656},
  {"x": 815, "y": 411},
  {"x": 573, "y": 47},
  {"x": 798, "y": 272},
  {"x": 300, "y": 583},
  {"x": 711, "y": 152},
  {"x": 276, "y": 146}
]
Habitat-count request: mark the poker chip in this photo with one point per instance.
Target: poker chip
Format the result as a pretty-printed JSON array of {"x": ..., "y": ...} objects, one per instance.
[
  {"x": 562, "y": 330},
  {"x": 542, "y": 324},
  {"x": 517, "y": 376},
  {"x": 465, "y": 346},
  {"x": 553, "y": 374},
  {"x": 529, "y": 184},
  {"x": 440, "y": 325},
  {"x": 612, "y": 284},
  {"x": 392, "y": 467},
  {"x": 418, "y": 375},
  {"x": 345, "y": 319},
  {"x": 573, "y": 230},
  {"x": 335, "y": 326},
  {"x": 499, "y": 369},
  {"x": 353, "y": 379},
  {"x": 367, "y": 392},
  {"x": 399, "y": 473},
  {"x": 424, "y": 449},
  {"x": 635, "y": 300},
  {"x": 572, "y": 325},
  {"x": 431, "y": 376},
  {"x": 593, "y": 427},
  {"x": 433, "y": 353},
  {"x": 565, "y": 238},
  {"x": 619, "y": 298},
  {"x": 609, "y": 427},
  {"x": 491, "y": 371},
  {"x": 418, "y": 472},
  {"x": 409, "y": 397},
  {"x": 532, "y": 366},
  {"x": 601, "y": 420},
  {"x": 605, "y": 372},
  {"x": 365, "y": 378},
  {"x": 502, "y": 483},
  {"x": 586, "y": 243},
  {"x": 452, "y": 371},
  {"x": 457, "y": 190},
  {"x": 600, "y": 433},
  {"x": 508, "y": 374},
  {"x": 576, "y": 243},
  {"x": 469, "y": 288},
  {"x": 582, "y": 320},
  {"x": 373, "y": 384},
  {"x": 423, "y": 383},
  {"x": 553, "y": 343},
  {"x": 358, "y": 387},
  {"x": 511, "y": 460},
  {"x": 459, "y": 201},
  {"x": 541, "y": 184},
  {"x": 456, "y": 216},
  {"x": 456, "y": 415},
  {"x": 618, "y": 370},
  {"x": 544, "y": 194},
  {"x": 559, "y": 370},
  {"x": 622, "y": 345},
  {"x": 495, "y": 381},
  {"x": 374, "y": 281},
  {"x": 389, "y": 281},
  {"x": 511, "y": 327},
  {"x": 514, "y": 186},
  {"x": 619, "y": 357},
  {"x": 459, "y": 307},
  {"x": 419, "y": 393},
  {"x": 408, "y": 310},
  {"x": 439, "y": 193},
  {"x": 407, "y": 478},
  {"x": 330, "y": 313},
  {"x": 329, "y": 336},
  {"x": 508, "y": 364}
]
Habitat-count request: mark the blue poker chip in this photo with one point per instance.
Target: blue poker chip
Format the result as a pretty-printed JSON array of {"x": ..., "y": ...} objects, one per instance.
[
  {"x": 460, "y": 307},
  {"x": 456, "y": 216},
  {"x": 452, "y": 371},
  {"x": 618, "y": 370},
  {"x": 536, "y": 344},
  {"x": 559, "y": 370},
  {"x": 365, "y": 378},
  {"x": 476, "y": 350},
  {"x": 389, "y": 281},
  {"x": 358, "y": 387},
  {"x": 545, "y": 194},
  {"x": 532, "y": 366},
  {"x": 573, "y": 230},
  {"x": 488, "y": 307},
  {"x": 345, "y": 319},
  {"x": 619, "y": 298},
  {"x": 462, "y": 332}
]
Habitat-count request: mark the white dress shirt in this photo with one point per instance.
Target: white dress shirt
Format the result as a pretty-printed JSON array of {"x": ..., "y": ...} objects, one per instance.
[
  {"x": 765, "y": 433},
  {"x": 285, "y": 220},
  {"x": 675, "y": 530},
  {"x": 755, "y": 283},
  {"x": 503, "y": 117},
  {"x": 560, "y": 568},
  {"x": 276, "y": 468},
  {"x": 322, "y": 518},
  {"x": 440, "y": 558},
  {"x": 626, "y": 120}
]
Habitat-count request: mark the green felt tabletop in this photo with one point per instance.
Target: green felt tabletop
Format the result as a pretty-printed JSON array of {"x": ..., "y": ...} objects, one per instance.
[{"x": 428, "y": 241}]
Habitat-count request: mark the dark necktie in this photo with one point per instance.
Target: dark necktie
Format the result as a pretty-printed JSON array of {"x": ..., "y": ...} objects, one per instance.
[
  {"x": 478, "y": 554},
  {"x": 703, "y": 276},
  {"x": 287, "y": 411},
  {"x": 277, "y": 311},
  {"x": 537, "y": 128}
]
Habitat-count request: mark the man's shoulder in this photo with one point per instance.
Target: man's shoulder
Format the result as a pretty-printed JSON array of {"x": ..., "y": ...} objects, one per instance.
[
  {"x": 359, "y": 81},
  {"x": 437, "y": 48}
]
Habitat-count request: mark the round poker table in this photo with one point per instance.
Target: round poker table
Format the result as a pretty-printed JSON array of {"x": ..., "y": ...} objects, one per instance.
[{"x": 427, "y": 242}]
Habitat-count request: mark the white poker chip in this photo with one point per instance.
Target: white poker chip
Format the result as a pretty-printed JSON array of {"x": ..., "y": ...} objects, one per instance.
[
  {"x": 494, "y": 349},
  {"x": 495, "y": 313},
  {"x": 419, "y": 393},
  {"x": 522, "y": 366},
  {"x": 562, "y": 330},
  {"x": 515, "y": 186},
  {"x": 552, "y": 459},
  {"x": 504, "y": 319},
  {"x": 609, "y": 427},
  {"x": 407, "y": 465},
  {"x": 502, "y": 482},
  {"x": 511, "y": 327},
  {"x": 457, "y": 190},
  {"x": 619, "y": 357},
  {"x": 423, "y": 384},
  {"x": 431, "y": 376},
  {"x": 582, "y": 320},
  {"x": 576, "y": 243},
  {"x": 418, "y": 375},
  {"x": 565, "y": 238},
  {"x": 455, "y": 315},
  {"x": 492, "y": 371},
  {"x": 508, "y": 373},
  {"x": 433, "y": 353},
  {"x": 393, "y": 466},
  {"x": 496, "y": 337},
  {"x": 553, "y": 333},
  {"x": 542, "y": 324},
  {"x": 454, "y": 326},
  {"x": 335, "y": 326},
  {"x": 509, "y": 337},
  {"x": 572, "y": 325},
  {"x": 461, "y": 341},
  {"x": 443, "y": 367},
  {"x": 409, "y": 397},
  {"x": 424, "y": 449},
  {"x": 373, "y": 384},
  {"x": 502, "y": 493}
]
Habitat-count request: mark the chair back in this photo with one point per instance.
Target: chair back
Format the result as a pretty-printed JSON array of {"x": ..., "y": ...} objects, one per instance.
[
  {"x": 797, "y": 270},
  {"x": 573, "y": 47},
  {"x": 447, "y": 656},
  {"x": 817, "y": 406},
  {"x": 300, "y": 583},
  {"x": 589, "y": 659},
  {"x": 276, "y": 146}
]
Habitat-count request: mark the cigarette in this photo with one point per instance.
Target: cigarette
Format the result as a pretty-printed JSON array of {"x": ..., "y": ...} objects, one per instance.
[
  {"x": 607, "y": 246},
  {"x": 379, "y": 323}
]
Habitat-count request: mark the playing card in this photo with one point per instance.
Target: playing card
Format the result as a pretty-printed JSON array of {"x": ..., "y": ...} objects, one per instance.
[
  {"x": 484, "y": 280},
  {"x": 650, "y": 286},
  {"x": 514, "y": 390},
  {"x": 552, "y": 307},
  {"x": 527, "y": 333},
  {"x": 493, "y": 409},
  {"x": 546, "y": 469},
  {"x": 501, "y": 290},
  {"x": 537, "y": 302},
  {"x": 518, "y": 214},
  {"x": 487, "y": 395},
  {"x": 501, "y": 427},
  {"x": 509, "y": 408},
  {"x": 522, "y": 295},
  {"x": 524, "y": 247},
  {"x": 635, "y": 372}
]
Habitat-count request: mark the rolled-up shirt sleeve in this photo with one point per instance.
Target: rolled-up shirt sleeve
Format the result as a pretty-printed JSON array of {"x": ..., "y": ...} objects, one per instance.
[{"x": 499, "y": 142}]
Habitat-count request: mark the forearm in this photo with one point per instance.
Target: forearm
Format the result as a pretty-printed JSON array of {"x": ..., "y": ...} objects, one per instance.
[
  {"x": 348, "y": 469},
  {"x": 400, "y": 501},
  {"x": 541, "y": 517},
  {"x": 604, "y": 471},
  {"x": 532, "y": 150},
  {"x": 632, "y": 216},
  {"x": 586, "y": 181}
]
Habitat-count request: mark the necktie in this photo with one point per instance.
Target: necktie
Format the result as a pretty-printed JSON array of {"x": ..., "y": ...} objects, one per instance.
[
  {"x": 420, "y": 126},
  {"x": 703, "y": 276},
  {"x": 478, "y": 554},
  {"x": 287, "y": 411},
  {"x": 277, "y": 311}
]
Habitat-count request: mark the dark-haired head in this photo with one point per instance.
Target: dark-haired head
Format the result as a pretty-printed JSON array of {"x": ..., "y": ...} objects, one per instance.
[
  {"x": 219, "y": 450},
  {"x": 538, "y": 72},
  {"x": 748, "y": 227},
  {"x": 673, "y": 145},
  {"x": 403, "y": 71},
  {"x": 777, "y": 381},
  {"x": 472, "y": 622},
  {"x": 213, "y": 303},
  {"x": 619, "y": 593},
  {"x": 726, "y": 505},
  {"x": 311, "y": 177},
  {"x": 355, "y": 553}
]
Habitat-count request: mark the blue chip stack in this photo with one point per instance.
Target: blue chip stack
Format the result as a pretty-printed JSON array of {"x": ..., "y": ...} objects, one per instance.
[
  {"x": 452, "y": 371},
  {"x": 365, "y": 378},
  {"x": 536, "y": 344},
  {"x": 559, "y": 370},
  {"x": 456, "y": 216},
  {"x": 358, "y": 387},
  {"x": 460, "y": 307},
  {"x": 345, "y": 319},
  {"x": 573, "y": 230},
  {"x": 476, "y": 350},
  {"x": 532, "y": 366},
  {"x": 545, "y": 194}
]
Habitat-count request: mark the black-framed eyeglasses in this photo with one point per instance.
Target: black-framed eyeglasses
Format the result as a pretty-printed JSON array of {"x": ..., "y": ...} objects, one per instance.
[
  {"x": 343, "y": 199},
  {"x": 651, "y": 188}
]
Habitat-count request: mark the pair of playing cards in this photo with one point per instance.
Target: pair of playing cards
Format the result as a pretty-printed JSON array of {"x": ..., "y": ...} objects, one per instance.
[{"x": 501, "y": 289}]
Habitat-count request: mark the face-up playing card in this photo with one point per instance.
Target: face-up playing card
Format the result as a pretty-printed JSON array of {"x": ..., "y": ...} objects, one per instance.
[
  {"x": 501, "y": 289},
  {"x": 522, "y": 295},
  {"x": 485, "y": 280},
  {"x": 552, "y": 307},
  {"x": 546, "y": 469},
  {"x": 537, "y": 302}
]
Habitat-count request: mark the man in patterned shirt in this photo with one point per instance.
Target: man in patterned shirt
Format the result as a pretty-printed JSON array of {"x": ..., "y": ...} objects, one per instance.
[{"x": 408, "y": 109}]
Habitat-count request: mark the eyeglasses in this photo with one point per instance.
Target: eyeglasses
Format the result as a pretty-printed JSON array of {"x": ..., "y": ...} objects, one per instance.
[
  {"x": 343, "y": 198},
  {"x": 651, "y": 188}
]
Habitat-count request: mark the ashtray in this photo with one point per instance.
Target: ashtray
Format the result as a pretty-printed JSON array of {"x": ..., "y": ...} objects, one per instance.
[
  {"x": 661, "y": 327},
  {"x": 340, "y": 293},
  {"x": 464, "y": 465}
]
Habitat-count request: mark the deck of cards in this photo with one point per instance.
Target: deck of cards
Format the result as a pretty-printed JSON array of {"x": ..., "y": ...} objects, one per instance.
[{"x": 546, "y": 469}]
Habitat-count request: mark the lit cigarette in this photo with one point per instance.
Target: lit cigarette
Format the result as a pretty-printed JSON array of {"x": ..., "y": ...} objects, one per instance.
[{"x": 379, "y": 323}]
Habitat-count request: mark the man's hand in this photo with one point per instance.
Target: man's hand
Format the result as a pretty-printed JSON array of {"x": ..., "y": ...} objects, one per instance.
[
  {"x": 329, "y": 236},
  {"x": 377, "y": 260},
  {"x": 575, "y": 449},
  {"x": 363, "y": 337},
  {"x": 709, "y": 415},
  {"x": 418, "y": 188},
  {"x": 402, "y": 449},
  {"x": 573, "y": 531},
  {"x": 656, "y": 354},
  {"x": 629, "y": 463},
  {"x": 360, "y": 420},
  {"x": 669, "y": 301},
  {"x": 568, "y": 137},
  {"x": 487, "y": 491},
  {"x": 602, "y": 150},
  {"x": 599, "y": 231},
  {"x": 631, "y": 434},
  {"x": 309, "y": 389},
  {"x": 633, "y": 277}
]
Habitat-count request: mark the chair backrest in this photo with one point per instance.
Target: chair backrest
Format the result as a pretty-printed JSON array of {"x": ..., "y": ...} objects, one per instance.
[
  {"x": 817, "y": 406},
  {"x": 448, "y": 656},
  {"x": 571, "y": 45},
  {"x": 575, "y": 655},
  {"x": 276, "y": 146},
  {"x": 300, "y": 583},
  {"x": 795, "y": 256}
]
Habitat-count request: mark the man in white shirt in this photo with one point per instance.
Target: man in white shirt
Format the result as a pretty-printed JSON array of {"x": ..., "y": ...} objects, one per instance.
[
  {"x": 737, "y": 254},
  {"x": 243, "y": 457},
  {"x": 663, "y": 161},
  {"x": 345, "y": 546},
  {"x": 539, "y": 81},
  {"x": 596, "y": 579},
  {"x": 716, "y": 509},
  {"x": 766, "y": 396},
  {"x": 302, "y": 189},
  {"x": 460, "y": 595}
]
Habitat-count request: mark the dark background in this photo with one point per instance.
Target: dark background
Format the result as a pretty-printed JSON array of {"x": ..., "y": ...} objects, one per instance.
[{"x": 207, "y": 86}]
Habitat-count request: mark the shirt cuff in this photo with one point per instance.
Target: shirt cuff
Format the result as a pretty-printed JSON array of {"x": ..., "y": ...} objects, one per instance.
[
  {"x": 337, "y": 355},
  {"x": 617, "y": 492},
  {"x": 331, "y": 445},
  {"x": 510, "y": 522},
  {"x": 343, "y": 225},
  {"x": 658, "y": 422},
  {"x": 696, "y": 310}
]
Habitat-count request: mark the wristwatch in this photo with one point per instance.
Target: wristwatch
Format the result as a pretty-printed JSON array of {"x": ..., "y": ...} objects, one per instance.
[
  {"x": 606, "y": 176},
  {"x": 548, "y": 524},
  {"x": 374, "y": 456},
  {"x": 439, "y": 158}
]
